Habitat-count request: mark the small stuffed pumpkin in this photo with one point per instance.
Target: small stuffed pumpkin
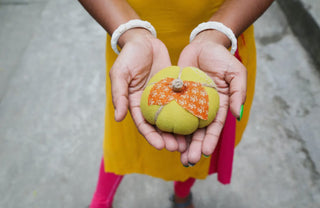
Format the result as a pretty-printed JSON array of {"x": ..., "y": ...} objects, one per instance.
[{"x": 180, "y": 100}]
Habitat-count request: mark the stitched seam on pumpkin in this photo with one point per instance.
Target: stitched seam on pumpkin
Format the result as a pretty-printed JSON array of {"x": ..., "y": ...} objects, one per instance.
[
  {"x": 149, "y": 84},
  {"x": 209, "y": 85},
  {"x": 180, "y": 73},
  {"x": 157, "y": 114}
]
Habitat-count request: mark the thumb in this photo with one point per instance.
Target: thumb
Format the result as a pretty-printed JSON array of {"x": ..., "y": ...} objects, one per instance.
[
  {"x": 119, "y": 89},
  {"x": 188, "y": 57},
  {"x": 237, "y": 79},
  {"x": 161, "y": 57}
]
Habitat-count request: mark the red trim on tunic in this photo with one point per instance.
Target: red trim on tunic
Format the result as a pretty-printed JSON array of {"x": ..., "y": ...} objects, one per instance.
[{"x": 222, "y": 158}]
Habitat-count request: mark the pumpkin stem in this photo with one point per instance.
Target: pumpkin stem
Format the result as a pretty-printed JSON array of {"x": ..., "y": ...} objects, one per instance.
[{"x": 177, "y": 85}]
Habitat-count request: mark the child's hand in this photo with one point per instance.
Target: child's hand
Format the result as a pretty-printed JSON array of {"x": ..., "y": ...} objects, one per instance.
[
  {"x": 141, "y": 57},
  {"x": 208, "y": 52}
]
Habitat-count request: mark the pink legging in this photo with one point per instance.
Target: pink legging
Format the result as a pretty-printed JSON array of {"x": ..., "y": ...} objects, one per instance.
[{"x": 108, "y": 183}]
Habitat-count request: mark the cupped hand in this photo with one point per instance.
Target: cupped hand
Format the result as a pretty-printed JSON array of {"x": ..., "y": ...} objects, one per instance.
[
  {"x": 141, "y": 57},
  {"x": 208, "y": 51}
]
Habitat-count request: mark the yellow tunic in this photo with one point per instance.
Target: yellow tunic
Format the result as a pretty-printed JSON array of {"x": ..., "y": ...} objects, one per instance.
[{"x": 125, "y": 150}]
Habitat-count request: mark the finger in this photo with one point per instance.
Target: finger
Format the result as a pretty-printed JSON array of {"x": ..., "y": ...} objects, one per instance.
[
  {"x": 214, "y": 129},
  {"x": 188, "y": 57},
  {"x": 182, "y": 143},
  {"x": 237, "y": 79},
  {"x": 119, "y": 89},
  {"x": 170, "y": 141},
  {"x": 184, "y": 158},
  {"x": 195, "y": 147},
  {"x": 147, "y": 130},
  {"x": 184, "y": 155}
]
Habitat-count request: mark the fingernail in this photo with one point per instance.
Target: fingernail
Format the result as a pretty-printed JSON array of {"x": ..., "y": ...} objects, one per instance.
[
  {"x": 241, "y": 113},
  {"x": 191, "y": 164},
  {"x": 206, "y": 156},
  {"x": 186, "y": 166}
]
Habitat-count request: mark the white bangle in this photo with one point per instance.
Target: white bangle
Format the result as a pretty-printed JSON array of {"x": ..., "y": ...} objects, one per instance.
[
  {"x": 219, "y": 27},
  {"x": 127, "y": 26}
]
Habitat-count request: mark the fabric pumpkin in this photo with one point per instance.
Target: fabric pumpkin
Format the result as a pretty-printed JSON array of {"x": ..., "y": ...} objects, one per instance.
[{"x": 180, "y": 100}]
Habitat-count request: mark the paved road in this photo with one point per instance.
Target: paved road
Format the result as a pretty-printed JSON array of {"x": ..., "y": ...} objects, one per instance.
[{"x": 52, "y": 113}]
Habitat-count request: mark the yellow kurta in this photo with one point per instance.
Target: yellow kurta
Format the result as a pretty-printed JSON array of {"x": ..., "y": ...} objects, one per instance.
[{"x": 125, "y": 150}]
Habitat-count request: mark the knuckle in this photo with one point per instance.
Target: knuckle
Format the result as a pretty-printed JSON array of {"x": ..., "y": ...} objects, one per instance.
[
  {"x": 112, "y": 72},
  {"x": 220, "y": 124},
  {"x": 212, "y": 136}
]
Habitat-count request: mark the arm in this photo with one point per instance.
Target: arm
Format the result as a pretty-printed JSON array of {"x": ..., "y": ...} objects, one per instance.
[
  {"x": 208, "y": 51},
  {"x": 142, "y": 55},
  {"x": 110, "y": 14},
  {"x": 238, "y": 15}
]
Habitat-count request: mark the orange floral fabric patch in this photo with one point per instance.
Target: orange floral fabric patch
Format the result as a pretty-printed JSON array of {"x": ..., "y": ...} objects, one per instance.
[{"x": 193, "y": 96}]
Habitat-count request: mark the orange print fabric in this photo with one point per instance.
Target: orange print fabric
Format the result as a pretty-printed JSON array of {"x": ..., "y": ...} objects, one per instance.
[{"x": 193, "y": 96}]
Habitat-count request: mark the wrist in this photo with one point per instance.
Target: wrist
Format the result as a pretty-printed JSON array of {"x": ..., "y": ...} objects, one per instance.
[
  {"x": 216, "y": 29},
  {"x": 134, "y": 34},
  {"x": 213, "y": 36},
  {"x": 134, "y": 25}
]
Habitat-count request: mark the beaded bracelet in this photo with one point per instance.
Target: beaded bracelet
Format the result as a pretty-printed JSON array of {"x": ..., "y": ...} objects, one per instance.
[
  {"x": 136, "y": 23},
  {"x": 211, "y": 25}
]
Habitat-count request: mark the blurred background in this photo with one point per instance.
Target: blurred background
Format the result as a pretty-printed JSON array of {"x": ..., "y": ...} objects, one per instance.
[{"x": 52, "y": 97}]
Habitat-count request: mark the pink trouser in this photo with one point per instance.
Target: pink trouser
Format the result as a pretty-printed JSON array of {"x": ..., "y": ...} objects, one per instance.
[{"x": 108, "y": 183}]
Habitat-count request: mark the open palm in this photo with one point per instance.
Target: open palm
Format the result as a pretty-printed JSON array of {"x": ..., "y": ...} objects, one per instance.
[
  {"x": 230, "y": 77},
  {"x": 138, "y": 61}
]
